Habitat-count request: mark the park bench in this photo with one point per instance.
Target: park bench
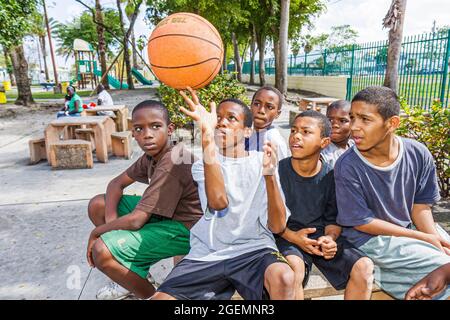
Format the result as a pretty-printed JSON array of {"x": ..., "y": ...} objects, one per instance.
[
  {"x": 86, "y": 134},
  {"x": 71, "y": 154},
  {"x": 121, "y": 144},
  {"x": 315, "y": 103},
  {"x": 130, "y": 124},
  {"x": 37, "y": 150}
]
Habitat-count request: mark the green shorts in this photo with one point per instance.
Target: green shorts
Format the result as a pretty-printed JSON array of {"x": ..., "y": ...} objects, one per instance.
[{"x": 137, "y": 250}]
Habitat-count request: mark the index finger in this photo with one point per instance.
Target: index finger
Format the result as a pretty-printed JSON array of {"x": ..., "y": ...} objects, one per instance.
[
  {"x": 188, "y": 100},
  {"x": 194, "y": 95}
]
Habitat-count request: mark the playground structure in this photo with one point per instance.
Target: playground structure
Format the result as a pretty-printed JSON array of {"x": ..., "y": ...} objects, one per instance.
[{"x": 87, "y": 73}]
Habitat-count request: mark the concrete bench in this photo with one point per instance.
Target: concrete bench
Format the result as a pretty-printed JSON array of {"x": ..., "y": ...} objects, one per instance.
[
  {"x": 130, "y": 124},
  {"x": 86, "y": 134},
  {"x": 71, "y": 154},
  {"x": 121, "y": 144},
  {"x": 37, "y": 150}
]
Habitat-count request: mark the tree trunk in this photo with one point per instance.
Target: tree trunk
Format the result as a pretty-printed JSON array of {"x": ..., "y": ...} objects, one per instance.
[
  {"x": 44, "y": 55},
  {"x": 9, "y": 67},
  {"x": 276, "y": 54},
  {"x": 126, "y": 53},
  {"x": 135, "y": 59},
  {"x": 261, "y": 41},
  {"x": 394, "y": 20},
  {"x": 20, "y": 67},
  {"x": 283, "y": 46},
  {"x": 101, "y": 42},
  {"x": 225, "y": 52},
  {"x": 252, "y": 56},
  {"x": 237, "y": 57}
]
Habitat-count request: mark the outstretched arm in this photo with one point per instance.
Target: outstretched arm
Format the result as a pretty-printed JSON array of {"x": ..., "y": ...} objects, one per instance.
[
  {"x": 207, "y": 121},
  {"x": 275, "y": 204}
]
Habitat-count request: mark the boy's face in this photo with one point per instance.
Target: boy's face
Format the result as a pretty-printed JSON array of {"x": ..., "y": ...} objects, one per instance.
[
  {"x": 230, "y": 129},
  {"x": 265, "y": 109},
  {"x": 151, "y": 130},
  {"x": 368, "y": 127},
  {"x": 340, "y": 124},
  {"x": 305, "y": 139}
]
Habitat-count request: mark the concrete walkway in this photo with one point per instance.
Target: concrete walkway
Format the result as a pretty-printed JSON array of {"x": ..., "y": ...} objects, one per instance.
[{"x": 43, "y": 213}]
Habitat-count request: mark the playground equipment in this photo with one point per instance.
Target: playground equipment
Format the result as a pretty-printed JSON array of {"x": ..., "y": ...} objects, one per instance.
[{"x": 87, "y": 71}]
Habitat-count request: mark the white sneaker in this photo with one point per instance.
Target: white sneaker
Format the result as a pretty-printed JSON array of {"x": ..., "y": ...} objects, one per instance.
[{"x": 112, "y": 291}]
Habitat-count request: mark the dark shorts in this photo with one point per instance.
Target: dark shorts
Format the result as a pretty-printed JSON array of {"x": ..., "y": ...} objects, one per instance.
[
  {"x": 336, "y": 270},
  {"x": 217, "y": 280}
]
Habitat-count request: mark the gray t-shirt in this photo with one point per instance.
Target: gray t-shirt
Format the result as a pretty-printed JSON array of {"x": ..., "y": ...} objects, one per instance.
[
  {"x": 241, "y": 227},
  {"x": 365, "y": 192},
  {"x": 257, "y": 139},
  {"x": 331, "y": 153}
]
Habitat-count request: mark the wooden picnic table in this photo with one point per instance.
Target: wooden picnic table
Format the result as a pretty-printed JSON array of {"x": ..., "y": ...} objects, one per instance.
[
  {"x": 103, "y": 126},
  {"x": 316, "y": 102},
  {"x": 121, "y": 112}
]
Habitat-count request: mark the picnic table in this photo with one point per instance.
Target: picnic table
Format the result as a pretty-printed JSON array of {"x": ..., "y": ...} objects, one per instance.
[
  {"x": 316, "y": 102},
  {"x": 103, "y": 126},
  {"x": 121, "y": 112}
]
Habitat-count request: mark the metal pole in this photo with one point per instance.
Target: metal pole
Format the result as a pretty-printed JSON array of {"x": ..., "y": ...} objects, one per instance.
[
  {"x": 446, "y": 60},
  {"x": 350, "y": 80},
  {"x": 324, "y": 62},
  {"x": 55, "y": 72}
]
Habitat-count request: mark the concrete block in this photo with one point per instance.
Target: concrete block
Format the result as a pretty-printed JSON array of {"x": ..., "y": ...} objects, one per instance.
[
  {"x": 71, "y": 154},
  {"x": 121, "y": 144},
  {"x": 37, "y": 150}
]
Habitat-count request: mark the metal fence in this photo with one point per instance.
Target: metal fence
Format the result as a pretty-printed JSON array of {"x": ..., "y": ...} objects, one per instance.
[{"x": 423, "y": 67}]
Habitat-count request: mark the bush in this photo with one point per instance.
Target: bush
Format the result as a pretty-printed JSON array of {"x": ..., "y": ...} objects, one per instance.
[
  {"x": 432, "y": 128},
  {"x": 222, "y": 87}
]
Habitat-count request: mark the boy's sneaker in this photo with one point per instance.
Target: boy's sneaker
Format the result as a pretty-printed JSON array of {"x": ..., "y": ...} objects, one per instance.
[{"x": 112, "y": 291}]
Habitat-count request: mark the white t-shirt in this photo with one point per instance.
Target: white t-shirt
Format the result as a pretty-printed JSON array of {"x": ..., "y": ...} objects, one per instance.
[
  {"x": 106, "y": 98},
  {"x": 42, "y": 78},
  {"x": 257, "y": 139},
  {"x": 331, "y": 153},
  {"x": 242, "y": 226}
]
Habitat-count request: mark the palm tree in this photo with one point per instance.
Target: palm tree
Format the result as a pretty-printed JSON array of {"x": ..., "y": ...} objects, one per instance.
[
  {"x": 394, "y": 21},
  {"x": 101, "y": 42}
]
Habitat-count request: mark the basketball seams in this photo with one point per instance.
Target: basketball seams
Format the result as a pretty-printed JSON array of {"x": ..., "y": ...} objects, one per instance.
[
  {"x": 200, "y": 18},
  {"x": 215, "y": 71},
  {"x": 185, "y": 66},
  {"x": 189, "y": 36}
]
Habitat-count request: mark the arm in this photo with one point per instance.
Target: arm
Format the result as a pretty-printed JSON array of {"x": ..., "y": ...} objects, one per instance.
[
  {"x": 275, "y": 205},
  {"x": 380, "y": 227},
  {"x": 114, "y": 192},
  {"x": 207, "y": 121},
  {"x": 300, "y": 238},
  {"x": 431, "y": 285}
]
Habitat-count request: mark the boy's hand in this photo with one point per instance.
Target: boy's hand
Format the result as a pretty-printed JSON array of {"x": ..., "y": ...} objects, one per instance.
[
  {"x": 328, "y": 246},
  {"x": 207, "y": 121},
  {"x": 429, "y": 287},
  {"x": 270, "y": 158},
  {"x": 92, "y": 238},
  {"x": 445, "y": 246},
  {"x": 436, "y": 241},
  {"x": 308, "y": 245}
]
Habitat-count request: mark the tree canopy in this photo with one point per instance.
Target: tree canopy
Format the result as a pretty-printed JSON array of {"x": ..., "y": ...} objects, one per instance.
[{"x": 15, "y": 20}]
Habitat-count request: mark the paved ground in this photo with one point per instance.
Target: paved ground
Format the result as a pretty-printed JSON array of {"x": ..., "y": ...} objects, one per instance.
[{"x": 43, "y": 222}]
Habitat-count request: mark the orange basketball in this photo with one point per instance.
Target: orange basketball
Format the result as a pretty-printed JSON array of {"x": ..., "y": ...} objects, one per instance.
[{"x": 185, "y": 50}]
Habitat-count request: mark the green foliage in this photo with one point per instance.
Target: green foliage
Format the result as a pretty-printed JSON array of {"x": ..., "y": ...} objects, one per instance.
[
  {"x": 432, "y": 128},
  {"x": 83, "y": 27},
  {"x": 222, "y": 87},
  {"x": 15, "y": 21}
]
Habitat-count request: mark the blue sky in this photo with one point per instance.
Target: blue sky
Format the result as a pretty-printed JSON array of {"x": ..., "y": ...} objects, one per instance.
[{"x": 365, "y": 16}]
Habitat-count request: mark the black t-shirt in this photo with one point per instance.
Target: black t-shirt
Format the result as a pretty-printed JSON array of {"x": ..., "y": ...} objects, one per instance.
[{"x": 311, "y": 200}]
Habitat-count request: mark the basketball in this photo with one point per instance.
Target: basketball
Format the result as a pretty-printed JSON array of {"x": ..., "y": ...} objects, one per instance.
[{"x": 185, "y": 50}]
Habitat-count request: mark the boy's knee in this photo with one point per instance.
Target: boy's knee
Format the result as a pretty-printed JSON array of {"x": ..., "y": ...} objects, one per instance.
[
  {"x": 363, "y": 270},
  {"x": 101, "y": 254},
  {"x": 95, "y": 205},
  {"x": 283, "y": 276}
]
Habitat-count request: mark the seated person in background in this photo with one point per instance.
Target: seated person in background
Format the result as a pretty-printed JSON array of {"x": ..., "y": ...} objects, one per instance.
[
  {"x": 43, "y": 80},
  {"x": 75, "y": 105},
  {"x": 339, "y": 115},
  {"x": 266, "y": 107},
  {"x": 431, "y": 285},
  {"x": 104, "y": 99}
]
